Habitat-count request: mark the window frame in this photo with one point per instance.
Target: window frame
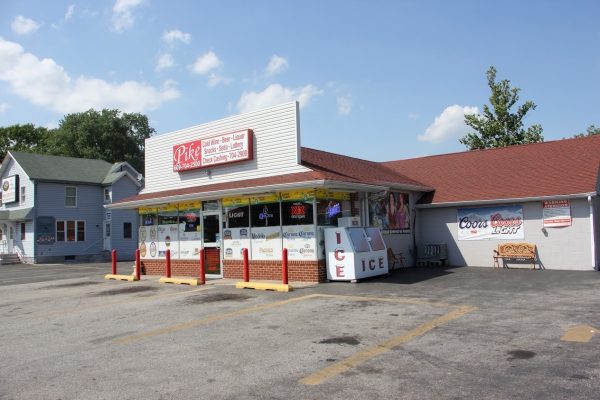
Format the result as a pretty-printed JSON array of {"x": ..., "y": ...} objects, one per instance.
[
  {"x": 125, "y": 230},
  {"x": 23, "y": 227},
  {"x": 68, "y": 197},
  {"x": 62, "y": 235},
  {"x": 107, "y": 195},
  {"x": 23, "y": 195}
]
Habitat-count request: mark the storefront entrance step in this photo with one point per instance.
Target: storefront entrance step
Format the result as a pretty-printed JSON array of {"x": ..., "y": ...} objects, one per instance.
[
  {"x": 129, "y": 278},
  {"x": 181, "y": 281},
  {"x": 278, "y": 287}
]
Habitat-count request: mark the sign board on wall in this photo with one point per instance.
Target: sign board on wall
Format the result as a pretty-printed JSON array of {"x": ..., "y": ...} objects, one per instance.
[
  {"x": 45, "y": 230},
  {"x": 10, "y": 189},
  {"x": 300, "y": 240},
  {"x": 484, "y": 223},
  {"x": 216, "y": 150},
  {"x": 556, "y": 213}
]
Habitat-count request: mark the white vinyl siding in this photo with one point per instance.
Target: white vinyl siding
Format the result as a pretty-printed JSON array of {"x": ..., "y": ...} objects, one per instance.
[{"x": 275, "y": 141}]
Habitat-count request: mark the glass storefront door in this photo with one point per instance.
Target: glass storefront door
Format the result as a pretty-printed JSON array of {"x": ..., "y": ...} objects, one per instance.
[{"x": 211, "y": 240}]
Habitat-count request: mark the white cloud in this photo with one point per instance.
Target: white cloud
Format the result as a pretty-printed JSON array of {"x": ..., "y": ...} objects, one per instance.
[
  {"x": 276, "y": 94},
  {"x": 24, "y": 26},
  {"x": 344, "y": 104},
  {"x": 45, "y": 83},
  {"x": 123, "y": 17},
  {"x": 3, "y": 107},
  {"x": 165, "y": 61},
  {"x": 205, "y": 63},
  {"x": 69, "y": 13},
  {"x": 276, "y": 65},
  {"x": 413, "y": 115},
  {"x": 449, "y": 124},
  {"x": 215, "y": 79},
  {"x": 176, "y": 35}
]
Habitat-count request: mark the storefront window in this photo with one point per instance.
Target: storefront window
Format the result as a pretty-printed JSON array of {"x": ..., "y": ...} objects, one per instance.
[
  {"x": 297, "y": 213},
  {"x": 238, "y": 217},
  {"x": 328, "y": 211},
  {"x": 168, "y": 238},
  {"x": 264, "y": 215}
]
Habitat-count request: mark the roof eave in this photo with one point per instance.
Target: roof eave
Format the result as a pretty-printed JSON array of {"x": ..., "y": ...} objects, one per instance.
[
  {"x": 248, "y": 191},
  {"x": 508, "y": 200}
]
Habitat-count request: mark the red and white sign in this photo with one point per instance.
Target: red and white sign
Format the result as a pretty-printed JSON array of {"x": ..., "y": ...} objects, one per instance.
[
  {"x": 556, "y": 213},
  {"x": 212, "y": 151}
]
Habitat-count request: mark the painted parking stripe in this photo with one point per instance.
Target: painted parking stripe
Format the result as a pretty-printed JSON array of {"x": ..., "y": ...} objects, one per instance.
[
  {"x": 208, "y": 320},
  {"x": 378, "y": 349},
  {"x": 579, "y": 333}
]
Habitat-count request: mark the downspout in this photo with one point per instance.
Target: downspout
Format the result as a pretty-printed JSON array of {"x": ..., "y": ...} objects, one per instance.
[
  {"x": 35, "y": 227},
  {"x": 593, "y": 237}
]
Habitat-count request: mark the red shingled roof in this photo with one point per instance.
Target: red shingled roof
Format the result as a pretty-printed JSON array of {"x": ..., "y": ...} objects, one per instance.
[
  {"x": 562, "y": 167},
  {"x": 324, "y": 166},
  {"x": 346, "y": 168}
]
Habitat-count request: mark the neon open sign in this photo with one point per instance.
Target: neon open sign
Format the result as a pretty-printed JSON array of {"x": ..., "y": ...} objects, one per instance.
[{"x": 216, "y": 150}]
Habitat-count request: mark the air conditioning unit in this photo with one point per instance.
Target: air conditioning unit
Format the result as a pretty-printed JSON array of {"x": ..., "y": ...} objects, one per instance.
[{"x": 349, "y": 222}]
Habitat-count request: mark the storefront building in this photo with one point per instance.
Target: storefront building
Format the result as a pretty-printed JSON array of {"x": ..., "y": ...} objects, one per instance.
[{"x": 245, "y": 182}]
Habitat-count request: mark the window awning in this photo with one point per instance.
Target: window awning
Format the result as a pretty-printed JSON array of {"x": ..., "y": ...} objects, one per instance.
[{"x": 21, "y": 214}]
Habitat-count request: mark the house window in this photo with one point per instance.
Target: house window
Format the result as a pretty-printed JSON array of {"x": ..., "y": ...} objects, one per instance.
[
  {"x": 60, "y": 231},
  {"x": 22, "y": 195},
  {"x": 126, "y": 230},
  {"x": 70, "y": 231},
  {"x": 22, "y": 231},
  {"x": 107, "y": 195},
  {"x": 70, "y": 196},
  {"x": 80, "y": 231}
]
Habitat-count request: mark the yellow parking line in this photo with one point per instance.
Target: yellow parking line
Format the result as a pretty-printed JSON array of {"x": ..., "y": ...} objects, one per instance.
[
  {"x": 401, "y": 300},
  {"x": 579, "y": 333},
  {"x": 374, "y": 351},
  {"x": 207, "y": 320}
]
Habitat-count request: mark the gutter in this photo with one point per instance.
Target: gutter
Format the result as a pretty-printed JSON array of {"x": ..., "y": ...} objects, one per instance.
[
  {"x": 592, "y": 234},
  {"x": 505, "y": 201}
]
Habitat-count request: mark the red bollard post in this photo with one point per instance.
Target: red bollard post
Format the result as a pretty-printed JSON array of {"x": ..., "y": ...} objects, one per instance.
[
  {"x": 202, "y": 271},
  {"x": 246, "y": 268},
  {"x": 284, "y": 266},
  {"x": 168, "y": 261},
  {"x": 114, "y": 262},
  {"x": 138, "y": 264}
]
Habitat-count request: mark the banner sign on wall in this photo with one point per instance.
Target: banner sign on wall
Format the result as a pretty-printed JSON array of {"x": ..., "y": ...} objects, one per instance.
[
  {"x": 485, "y": 223},
  {"x": 390, "y": 212},
  {"x": 10, "y": 192},
  {"x": 556, "y": 213},
  {"x": 216, "y": 150}
]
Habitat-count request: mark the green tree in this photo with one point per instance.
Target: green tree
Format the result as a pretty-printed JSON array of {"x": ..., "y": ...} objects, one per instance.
[
  {"x": 107, "y": 135},
  {"x": 498, "y": 126},
  {"x": 22, "y": 138},
  {"x": 591, "y": 131}
]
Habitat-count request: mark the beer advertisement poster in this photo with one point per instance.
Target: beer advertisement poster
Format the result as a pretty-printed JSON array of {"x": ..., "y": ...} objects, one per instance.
[{"x": 485, "y": 223}]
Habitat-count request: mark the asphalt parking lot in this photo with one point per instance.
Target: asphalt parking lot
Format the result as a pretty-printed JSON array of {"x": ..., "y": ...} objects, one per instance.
[{"x": 416, "y": 334}]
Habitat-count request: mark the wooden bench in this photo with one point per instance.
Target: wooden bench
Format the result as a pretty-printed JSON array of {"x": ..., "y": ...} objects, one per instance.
[
  {"x": 394, "y": 258},
  {"x": 516, "y": 252}
]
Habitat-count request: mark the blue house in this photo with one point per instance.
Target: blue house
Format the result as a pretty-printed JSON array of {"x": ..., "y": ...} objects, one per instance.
[{"x": 52, "y": 209}]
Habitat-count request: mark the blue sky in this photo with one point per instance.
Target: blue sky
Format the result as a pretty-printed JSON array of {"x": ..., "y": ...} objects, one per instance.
[{"x": 379, "y": 80}]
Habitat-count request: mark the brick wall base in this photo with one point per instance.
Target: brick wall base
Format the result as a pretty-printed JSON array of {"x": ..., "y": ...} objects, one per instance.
[{"x": 303, "y": 271}]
